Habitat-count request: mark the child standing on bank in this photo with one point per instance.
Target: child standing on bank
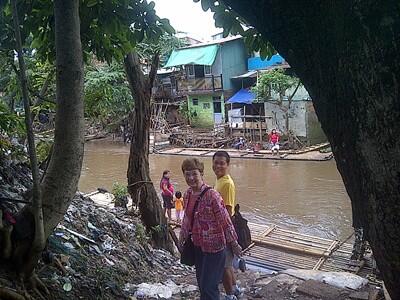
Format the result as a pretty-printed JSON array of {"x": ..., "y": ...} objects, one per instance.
[{"x": 179, "y": 206}]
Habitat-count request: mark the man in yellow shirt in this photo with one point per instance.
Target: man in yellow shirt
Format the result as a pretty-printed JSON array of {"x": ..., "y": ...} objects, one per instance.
[{"x": 226, "y": 187}]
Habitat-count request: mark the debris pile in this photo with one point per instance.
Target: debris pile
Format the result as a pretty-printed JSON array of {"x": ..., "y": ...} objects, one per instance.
[
  {"x": 99, "y": 253},
  {"x": 104, "y": 253}
]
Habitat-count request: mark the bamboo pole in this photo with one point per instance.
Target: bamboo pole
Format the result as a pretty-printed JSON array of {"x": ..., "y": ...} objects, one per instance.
[{"x": 305, "y": 250}]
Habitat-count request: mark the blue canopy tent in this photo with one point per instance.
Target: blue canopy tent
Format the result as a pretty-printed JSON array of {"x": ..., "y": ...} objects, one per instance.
[{"x": 244, "y": 96}]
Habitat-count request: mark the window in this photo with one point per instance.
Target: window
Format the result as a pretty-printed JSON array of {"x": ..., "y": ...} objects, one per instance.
[
  {"x": 195, "y": 102},
  {"x": 207, "y": 70},
  {"x": 217, "y": 108},
  {"x": 216, "y": 98},
  {"x": 198, "y": 71},
  {"x": 206, "y": 105},
  {"x": 189, "y": 70}
]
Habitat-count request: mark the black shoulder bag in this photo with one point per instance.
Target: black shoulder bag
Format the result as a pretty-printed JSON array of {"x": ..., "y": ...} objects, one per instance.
[{"x": 187, "y": 254}]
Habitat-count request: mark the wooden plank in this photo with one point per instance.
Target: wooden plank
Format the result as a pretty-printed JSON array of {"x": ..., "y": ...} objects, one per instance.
[
  {"x": 300, "y": 241},
  {"x": 305, "y": 235},
  {"x": 268, "y": 231},
  {"x": 299, "y": 236},
  {"x": 290, "y": 247},
  {"x": 205, "y": 153}
]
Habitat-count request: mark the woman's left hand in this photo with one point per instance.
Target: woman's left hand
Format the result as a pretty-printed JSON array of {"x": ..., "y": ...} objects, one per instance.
[
  {"x": 236, "y": 249},
  {"x": 181, "y": 242}
]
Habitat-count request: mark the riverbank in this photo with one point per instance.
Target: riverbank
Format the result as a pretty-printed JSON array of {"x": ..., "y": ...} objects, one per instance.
[
  {"x": 307, "y": 154},
  {"x": 104, "y": 253}
]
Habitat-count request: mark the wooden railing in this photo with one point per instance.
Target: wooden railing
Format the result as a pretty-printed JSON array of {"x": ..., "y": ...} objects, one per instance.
[{"x": 212, "y": 83}]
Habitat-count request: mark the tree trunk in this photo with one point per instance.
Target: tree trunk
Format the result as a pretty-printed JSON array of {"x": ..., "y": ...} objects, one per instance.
[
  {"x": 140, "y": 186},
  {"x": 60, "y": 182},
  {"x": 38, "y": 239},
  {"x": 346, "y": 53}
]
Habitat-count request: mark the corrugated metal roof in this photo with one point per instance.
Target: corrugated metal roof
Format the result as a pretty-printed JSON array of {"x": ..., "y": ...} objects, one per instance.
[{"x": 246, "y": 75}]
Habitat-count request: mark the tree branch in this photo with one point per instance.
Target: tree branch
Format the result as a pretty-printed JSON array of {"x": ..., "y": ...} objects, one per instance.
[
  {"x": 134, "y": 73},
  {"x": 294, "y": 93},
  {"x": 153, "y": 68},
  {"x": 39, "y": 239},
  {"x": 43, "y": 90}
]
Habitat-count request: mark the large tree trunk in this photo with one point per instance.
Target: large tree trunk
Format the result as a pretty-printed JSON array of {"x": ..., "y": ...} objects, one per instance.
[
  {"x": 38, "y": 239},
  {"x": 140, "y": 186},
  {"x": 61, "y": 180},
  {"x": 346, "y": 53}
]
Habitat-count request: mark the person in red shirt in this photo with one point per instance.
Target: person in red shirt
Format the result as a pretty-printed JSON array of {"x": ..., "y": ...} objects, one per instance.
[
  {"x": 274, "y": 141},
  {"x": 212, "y": 229},
  {"x": 167, "y": 193}
]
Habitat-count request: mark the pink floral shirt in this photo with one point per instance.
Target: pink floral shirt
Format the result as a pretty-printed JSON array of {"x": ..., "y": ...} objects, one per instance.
[{"x": 212, "y": 226}]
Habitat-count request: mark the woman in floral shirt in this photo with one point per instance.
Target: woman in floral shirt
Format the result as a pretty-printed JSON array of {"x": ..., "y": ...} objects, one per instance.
[{"x": 212, "y": 230}]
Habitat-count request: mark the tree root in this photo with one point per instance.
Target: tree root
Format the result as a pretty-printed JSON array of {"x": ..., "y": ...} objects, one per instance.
[
  {"x": 9, "y": 294},
  {"x": 37, "y": 285},
  {"x": 6, "y": 241}
]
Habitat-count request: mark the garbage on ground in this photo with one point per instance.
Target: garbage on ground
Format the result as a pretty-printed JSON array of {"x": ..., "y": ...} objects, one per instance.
[
  {"x": 338, "y": 279},
  {"x": 162, "y": 290}
]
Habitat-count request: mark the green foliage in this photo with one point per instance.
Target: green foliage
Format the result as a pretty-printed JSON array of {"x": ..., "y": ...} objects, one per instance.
[
  {"x": 140, "y": 234},
  {"x": 119, "y": 190},
  {"x": 234, "y": 24},
  {"x": 11, "y": 124},
  {"x": 276, "y": 81},
  {"x": 43, "y": 148},
  {"x": 165, "y": 45},
  {"x": 107, "y": 93},
  {"x": 109, "y": 29}
]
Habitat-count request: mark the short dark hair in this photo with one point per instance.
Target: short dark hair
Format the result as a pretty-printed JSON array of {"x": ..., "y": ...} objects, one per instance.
[
  {"x": 222, "y": 153},
  {"x": 165, "y": 172},
  {"x": 178, "y": 194}
]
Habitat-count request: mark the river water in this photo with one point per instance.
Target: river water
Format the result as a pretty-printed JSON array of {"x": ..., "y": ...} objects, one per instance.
[{"x": 308, "y": 197}]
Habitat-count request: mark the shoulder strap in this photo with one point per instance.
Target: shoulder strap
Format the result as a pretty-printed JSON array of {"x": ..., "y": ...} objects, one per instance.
[{"x": 197, "y": 204}]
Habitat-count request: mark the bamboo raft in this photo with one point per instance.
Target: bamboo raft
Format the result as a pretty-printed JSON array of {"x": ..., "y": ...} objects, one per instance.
[
  {"x": 274, "y": 248},
  {"x": 308, "y": 154},
  {"x": 277, "y": 249}
]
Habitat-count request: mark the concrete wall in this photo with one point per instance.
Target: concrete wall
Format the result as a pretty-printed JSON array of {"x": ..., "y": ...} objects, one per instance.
[
  {"x": 315, "y": 134},
  {"x": 216, "y": 68},
  {"x": 297, "y": 122},
  {"x": 234, "y": 61},
  {"x": 204, "y": 110},
  {"x": 301, "y": 94},
  {"x": 303, "y": 120}
]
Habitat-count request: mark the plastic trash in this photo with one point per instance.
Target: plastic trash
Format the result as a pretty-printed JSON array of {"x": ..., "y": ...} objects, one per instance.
[{"x": 338, "y": 279}]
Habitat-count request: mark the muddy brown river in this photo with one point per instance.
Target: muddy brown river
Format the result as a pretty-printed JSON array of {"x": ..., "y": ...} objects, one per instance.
[{"x": 308, "y": 197}]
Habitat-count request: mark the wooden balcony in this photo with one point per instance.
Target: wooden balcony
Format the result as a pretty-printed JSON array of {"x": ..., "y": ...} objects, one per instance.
[
  {"x": 184, "y": 86},
  {"x": 205, "y": 84}
]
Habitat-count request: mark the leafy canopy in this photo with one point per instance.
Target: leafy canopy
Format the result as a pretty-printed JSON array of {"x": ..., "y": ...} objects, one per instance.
[
  {"x": 107, "y": 92},
  {"x": 109, "y": 29},
  {"x": 274, "y": 81},
  {"x": 234, "y": 24}
]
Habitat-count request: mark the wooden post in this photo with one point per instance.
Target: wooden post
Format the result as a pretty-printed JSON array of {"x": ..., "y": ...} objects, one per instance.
[
  {"x": 231, "y": 120},
  {"x": 244, "y": 118},
  {"x": 259, "y": 114}
]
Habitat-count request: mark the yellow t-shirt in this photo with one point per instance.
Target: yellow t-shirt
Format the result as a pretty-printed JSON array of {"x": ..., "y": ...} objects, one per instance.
[
  {"x": 179, "y": 203},
  {"x": 226, "y": 187}
]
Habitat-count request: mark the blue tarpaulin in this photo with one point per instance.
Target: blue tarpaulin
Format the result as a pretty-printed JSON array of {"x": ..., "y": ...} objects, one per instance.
[
  {"x": 257, "y": 63},
  {"x": 244, "y": 96}
]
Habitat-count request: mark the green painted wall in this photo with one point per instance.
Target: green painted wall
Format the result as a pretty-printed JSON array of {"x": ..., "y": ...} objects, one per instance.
[{"x": 204, "y": 110}]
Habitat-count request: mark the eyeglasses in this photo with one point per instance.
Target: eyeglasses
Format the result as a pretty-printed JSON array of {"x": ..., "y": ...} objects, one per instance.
[{"x": 189, "y": 174}]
